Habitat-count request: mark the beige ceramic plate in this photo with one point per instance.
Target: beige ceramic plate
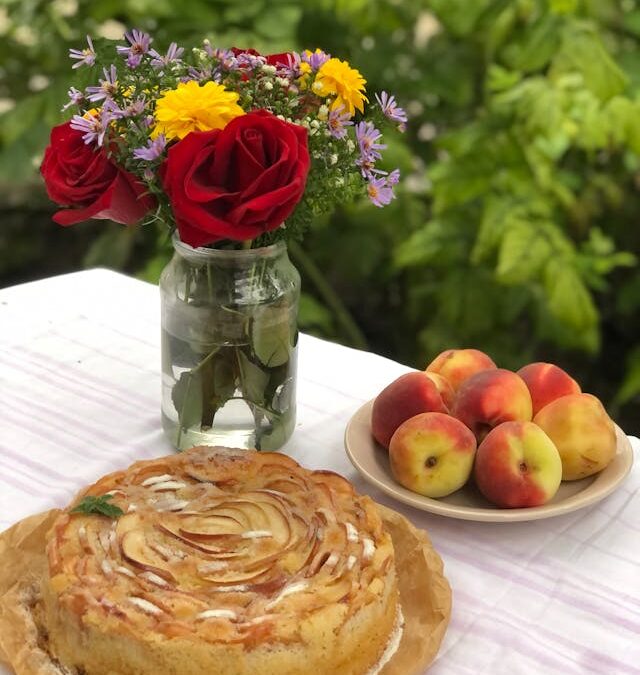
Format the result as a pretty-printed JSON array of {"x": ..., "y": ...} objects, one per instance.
[{"x": 372, "y": 461}]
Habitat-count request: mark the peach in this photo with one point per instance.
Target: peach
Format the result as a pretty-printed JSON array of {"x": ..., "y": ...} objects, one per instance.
[
  {"x": 444, "y": 387},
  {"x": 490, "y": 398},
  {"x": 518, "y": 465},
  {"x": 582, "y": 431},
  {"x": 458, "y": 365},
  {"x": 546, "y": 383},
  {"x": 432, "y": 454},
  {"x": 405, "y": 397}
]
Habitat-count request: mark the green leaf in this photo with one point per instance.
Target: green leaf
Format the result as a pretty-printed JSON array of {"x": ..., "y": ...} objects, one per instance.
[
  {"x": 459, "y": 16},
  {"x": 187, "y": 398},
  {"x": 253, "y": 379},
  {"x": 523, "y": 252},
  {"x": 582, "y": 52},
  {"x": 98, "y": 505},
  {"x": 568, "y": 298},
  {"x": 438, "y": 241},
  {"x": 112, "y": 248},
  {"x": 501, "y": 79},
  {"x": 17, "y": 121},
  {"x": 535, "y": 47},
  {"x": 218, "y": 381},
  {"x": 271, "y": 330},
  {"x": 312, "y": 314},
  {"x": 630, "y": 387}
]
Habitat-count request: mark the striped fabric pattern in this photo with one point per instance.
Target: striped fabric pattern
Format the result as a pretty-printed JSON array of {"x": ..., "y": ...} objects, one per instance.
[{"x": 79, "y": 397}]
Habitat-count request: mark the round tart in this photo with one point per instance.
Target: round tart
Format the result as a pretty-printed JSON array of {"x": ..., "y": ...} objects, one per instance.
[{"x": 223, "y": 561}]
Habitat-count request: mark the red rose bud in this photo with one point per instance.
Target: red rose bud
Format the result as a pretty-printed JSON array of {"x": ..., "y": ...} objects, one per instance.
[
  {"x": 85, "y": 179},
  {"x": 238, "y": 182}
]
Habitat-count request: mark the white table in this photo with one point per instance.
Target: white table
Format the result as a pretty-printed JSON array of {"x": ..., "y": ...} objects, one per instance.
[{"x": 79, "y": 397}]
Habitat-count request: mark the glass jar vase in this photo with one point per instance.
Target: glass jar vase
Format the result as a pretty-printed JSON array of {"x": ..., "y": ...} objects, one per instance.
[{"x": 229, "y": 346}]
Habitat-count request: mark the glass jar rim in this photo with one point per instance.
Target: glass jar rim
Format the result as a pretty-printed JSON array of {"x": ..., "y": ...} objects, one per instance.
[{"x": 202, "y": 253}]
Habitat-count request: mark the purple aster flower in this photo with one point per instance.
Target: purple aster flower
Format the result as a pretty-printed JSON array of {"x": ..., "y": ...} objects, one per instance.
[
  {"x": 225, "y": 56},
  {"x": 95, "y": 126},
  {"x": 85, "y": 57},
  {"x": 173, "y": 55},
  {"x": 203, "y": 74},
  {"x": 315, "y": 59},
  {"x": 338, "y": 121},
  {"x": 152, "y": 150},
  {"x": 379, "y": 191},
  {"x": 391, "y": 109},
  {"x": 394, "y": 177},
  {"x": 107, "y": 87},
  {"x": 250, "y": 61},
  {"x": 132, "y": 109},
  {"x": 75, "y": 98},
  {"x": 138, "y": 46},
  {"x": 367, "y": 136}
]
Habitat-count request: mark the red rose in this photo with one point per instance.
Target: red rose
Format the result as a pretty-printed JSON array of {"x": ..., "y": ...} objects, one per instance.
[
  {"x": 81, "y": 177},
  {"x": 272, "y": 59},
  {"x": 238, "y": 182}
]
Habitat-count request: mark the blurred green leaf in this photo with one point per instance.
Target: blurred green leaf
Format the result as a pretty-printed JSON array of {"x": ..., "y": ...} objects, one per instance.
[{"x": 112, "y": 248}]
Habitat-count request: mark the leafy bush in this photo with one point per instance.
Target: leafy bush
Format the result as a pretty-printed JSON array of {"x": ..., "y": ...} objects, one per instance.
[{"x": 514, "y": 230}]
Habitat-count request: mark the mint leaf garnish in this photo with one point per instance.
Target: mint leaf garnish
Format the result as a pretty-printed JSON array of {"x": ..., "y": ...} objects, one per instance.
[{"x": 100, "y": 505}]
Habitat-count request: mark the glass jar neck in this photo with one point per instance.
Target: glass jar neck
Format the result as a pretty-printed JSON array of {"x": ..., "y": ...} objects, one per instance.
[{"x": 214, "y": 256}]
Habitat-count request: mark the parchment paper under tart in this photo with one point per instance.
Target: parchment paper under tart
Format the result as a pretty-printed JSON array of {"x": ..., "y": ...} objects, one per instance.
[{"x": 425, "y": 596}]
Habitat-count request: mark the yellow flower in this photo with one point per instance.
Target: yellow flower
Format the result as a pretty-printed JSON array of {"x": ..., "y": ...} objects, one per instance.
[
  {"x": 337, "y": 78},
  {"x": 192, "y": 107}
]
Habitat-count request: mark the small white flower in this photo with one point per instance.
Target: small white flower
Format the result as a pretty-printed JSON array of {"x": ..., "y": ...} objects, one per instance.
[
  {"x": 282, "y": 81},
  {"x": 339, "y": 181},
  {"x": 316, "y": 153},
  {"x": 268, "y": 70},
  {"x": 323, "y": 112},
  {"x": 315, "y": 124},
  {"x": 281, "y": 117},
  {"x": 317, "y": 86},
  {"x": 268, "y": 85},
  {"x": 333, "y": 159},
  {"x": 351, "y": 146},
  {"x": 293, "y": 103}
]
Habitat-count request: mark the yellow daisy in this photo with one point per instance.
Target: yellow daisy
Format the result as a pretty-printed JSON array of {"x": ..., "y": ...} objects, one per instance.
[
  {"x": 337, "y": 78},
  {"x": 191, "y": 107}
]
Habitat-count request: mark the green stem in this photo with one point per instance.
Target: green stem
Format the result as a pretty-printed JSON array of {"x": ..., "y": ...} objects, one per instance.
[
  {"x": 206, "y": 359},
  {"x": 330, "y": 297}
]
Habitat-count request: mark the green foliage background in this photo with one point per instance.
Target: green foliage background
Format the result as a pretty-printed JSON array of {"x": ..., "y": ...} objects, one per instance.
[{"x": 515, "y": 228}]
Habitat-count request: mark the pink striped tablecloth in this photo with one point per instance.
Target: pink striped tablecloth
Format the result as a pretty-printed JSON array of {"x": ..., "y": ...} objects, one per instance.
[{"x": 79, "y": 397}]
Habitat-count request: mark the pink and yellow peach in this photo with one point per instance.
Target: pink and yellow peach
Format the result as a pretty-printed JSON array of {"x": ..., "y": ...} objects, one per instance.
[
  {"x": 490, "y": 398},
  {"x": 547, "y": 382},
  {"x": 432, "y": 454},
  {"x": 582, "y": 431},
  {"x": 517, "y": 465},
  {"x": 458, "y": 365},
  {"x": 405, "y": 397}
]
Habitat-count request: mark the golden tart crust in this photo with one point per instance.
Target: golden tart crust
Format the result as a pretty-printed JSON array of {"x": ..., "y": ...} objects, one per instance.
[{"x": 226, "y": 561}]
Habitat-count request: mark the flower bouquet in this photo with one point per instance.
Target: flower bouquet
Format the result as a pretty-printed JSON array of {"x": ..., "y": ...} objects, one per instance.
[{"x": 235, "y": 152}]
